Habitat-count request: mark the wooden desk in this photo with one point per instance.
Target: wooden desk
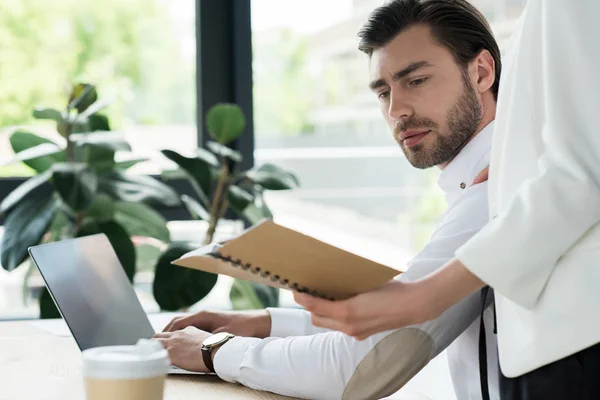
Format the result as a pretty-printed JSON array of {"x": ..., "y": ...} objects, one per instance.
[{"x": 38, "y": 365}]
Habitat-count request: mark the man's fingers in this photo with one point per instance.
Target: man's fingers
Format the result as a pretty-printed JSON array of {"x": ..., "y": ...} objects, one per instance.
[
  {"x": 197, "y": 320},
  {"x": 163, "y": 335},
  {"x": 224, "y": 328},
  {"x": 181, "y": 322},
  {"x": 170, "y": 324},
  {"x": 163, "y": 342},
  {"x": 482, "y": 176}
]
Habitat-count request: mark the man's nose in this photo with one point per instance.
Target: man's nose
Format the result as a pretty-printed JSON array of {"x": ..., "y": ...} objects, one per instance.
[{"x": 399, "y": 108}]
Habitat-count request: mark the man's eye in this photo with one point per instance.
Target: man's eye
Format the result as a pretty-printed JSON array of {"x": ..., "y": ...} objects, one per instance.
[
  {"x": 417, "y": 82},
  {"x": 383, "y": 95}
]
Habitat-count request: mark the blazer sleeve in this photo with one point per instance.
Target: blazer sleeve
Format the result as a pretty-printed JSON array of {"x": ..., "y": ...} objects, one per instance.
[{"x": 517, "y": 251}]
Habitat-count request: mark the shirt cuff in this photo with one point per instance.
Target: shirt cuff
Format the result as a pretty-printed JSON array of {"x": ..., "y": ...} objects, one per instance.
[
  {"x": 287, "y": 322},
  {"x": 229, "y": 357}
]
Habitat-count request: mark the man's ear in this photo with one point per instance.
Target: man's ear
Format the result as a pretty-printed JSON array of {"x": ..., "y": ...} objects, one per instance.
[{"x": 485, "y": 69}]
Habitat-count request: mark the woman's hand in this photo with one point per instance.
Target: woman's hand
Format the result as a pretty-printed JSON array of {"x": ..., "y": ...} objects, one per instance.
[
  {"x": 369, "y": 313},
  {"x": 395, "y": 305}
]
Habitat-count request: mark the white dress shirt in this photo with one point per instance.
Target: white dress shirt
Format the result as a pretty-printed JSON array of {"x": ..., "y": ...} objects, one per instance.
[
  {"x": 541, "y": 253},
  {"x": 304, "y": 361}
]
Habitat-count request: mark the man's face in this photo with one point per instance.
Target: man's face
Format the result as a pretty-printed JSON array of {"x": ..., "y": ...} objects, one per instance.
[{"x": 426, "y": 98}]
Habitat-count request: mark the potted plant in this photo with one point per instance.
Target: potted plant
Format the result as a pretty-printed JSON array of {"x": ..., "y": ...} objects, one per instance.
[
  {"x": 221, "y": 188},
  {"x": 80, "y": 189}
]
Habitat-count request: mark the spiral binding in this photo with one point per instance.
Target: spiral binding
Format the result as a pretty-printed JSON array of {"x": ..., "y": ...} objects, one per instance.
[{"x": 267, "y": 274}]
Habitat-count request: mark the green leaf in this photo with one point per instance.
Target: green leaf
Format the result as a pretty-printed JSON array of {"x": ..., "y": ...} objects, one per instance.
[
  {"x": 258, "y": 210},
  {"x": 76, "y": 183},
  {"x": 47, "y": 113},
  {"x": 92, "y": 110},
  {"x": 111, "y": 140},
  {"x": 102, "y": 208},
  {"x": 126, "y": 164},
  {"x": 224, "y": 151},
  {"x": 60, "y": 227},
  {"x": 262, "y": 205},
  {"x": 21, "y": 141},
  {"x": 246, "y": 295},
  {"x": 239, "y": 199},
  {"x": 196, "y": 209},
  {"x": 255, "y": 214},
  {"x": 99, "y": 148},
  {"x": 174, "y": 174},
  {"x": 272, "y": 177},
  {"x": 141, "y": 220},
  {"x": 177, "y": 287},
  {"x": 208, "y": 157},
  {"x": 76, "y": 127},
  {"x": 24, "y": 227},
  {"x": 119, "y": 239},
  {"x": 98, "y": 122},
  {"x": 82, "y": 96},
  {"x": 35, "y": 153},
  {"x": 30, "y": 188},
  {"x": 268, "y": 295},
  {"x": 225, "y": 122},
  {"x": 99, "y": 158},
  {"x": 198, "y": 170},
  {"x": 48, "y": 308},
  {"x": 138, "y": 188}
]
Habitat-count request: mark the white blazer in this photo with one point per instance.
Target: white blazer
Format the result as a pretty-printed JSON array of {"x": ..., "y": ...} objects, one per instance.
[{"x": 541, "y": 252}]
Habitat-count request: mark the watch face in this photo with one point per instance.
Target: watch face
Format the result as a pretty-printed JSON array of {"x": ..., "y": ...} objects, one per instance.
[{"x": 216, "y": 339}]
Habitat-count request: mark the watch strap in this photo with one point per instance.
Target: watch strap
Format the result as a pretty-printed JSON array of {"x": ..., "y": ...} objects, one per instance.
[
  {"x": 207, "y": 358},
  {"x": 207, "y": 352}
]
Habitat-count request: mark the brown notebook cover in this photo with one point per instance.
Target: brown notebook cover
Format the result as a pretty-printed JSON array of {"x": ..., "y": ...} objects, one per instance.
[{"x": 277, "y": 256}]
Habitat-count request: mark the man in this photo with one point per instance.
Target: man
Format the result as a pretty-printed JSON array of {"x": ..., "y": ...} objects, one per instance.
[
  {"x": 541, "y": 251},
  {"x": 435, "y": 71}
]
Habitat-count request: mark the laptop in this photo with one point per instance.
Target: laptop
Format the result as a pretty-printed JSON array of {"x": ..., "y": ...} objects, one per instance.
[{"x": 92, "y": 293}]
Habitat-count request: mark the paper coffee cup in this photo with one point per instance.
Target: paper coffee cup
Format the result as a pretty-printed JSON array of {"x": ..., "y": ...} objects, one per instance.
[{"x": 126, "y": 372}]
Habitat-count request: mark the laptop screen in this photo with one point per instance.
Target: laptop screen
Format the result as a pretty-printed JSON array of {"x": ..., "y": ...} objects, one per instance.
[{"x": 92, "y": 292}]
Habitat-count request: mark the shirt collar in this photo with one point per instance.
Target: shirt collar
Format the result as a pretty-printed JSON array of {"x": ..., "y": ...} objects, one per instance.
[{"x": 462, "y": 170}]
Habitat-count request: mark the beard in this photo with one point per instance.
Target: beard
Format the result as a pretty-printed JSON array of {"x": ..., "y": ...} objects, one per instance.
[{"x": 462, "y": 121}]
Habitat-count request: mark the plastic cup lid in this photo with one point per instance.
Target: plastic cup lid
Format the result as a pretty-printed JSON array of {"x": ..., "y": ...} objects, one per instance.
[{"x": 145, "y": 359}]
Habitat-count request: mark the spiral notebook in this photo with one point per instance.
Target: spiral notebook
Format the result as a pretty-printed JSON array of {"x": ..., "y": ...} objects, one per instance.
[{"x": 277, "y": 256}]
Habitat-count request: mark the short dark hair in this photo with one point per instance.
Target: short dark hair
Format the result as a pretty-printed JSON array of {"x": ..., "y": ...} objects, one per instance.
[{"x": 455, "y": 24}]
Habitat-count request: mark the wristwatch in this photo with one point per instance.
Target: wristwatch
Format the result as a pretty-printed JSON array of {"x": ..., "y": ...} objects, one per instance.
[{"x": 210, "y": 343}]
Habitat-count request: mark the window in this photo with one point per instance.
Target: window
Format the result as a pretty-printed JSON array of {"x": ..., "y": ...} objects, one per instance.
[{"x": 139, "y": 53}]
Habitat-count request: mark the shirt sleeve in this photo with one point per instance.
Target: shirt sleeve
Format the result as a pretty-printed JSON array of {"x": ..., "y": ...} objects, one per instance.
[
  {"x": 292, "y": 322},
  {"x": 322, "y": 365},
  {"x": 310, "y": 367},
  {"x": 517, "y": 252}
]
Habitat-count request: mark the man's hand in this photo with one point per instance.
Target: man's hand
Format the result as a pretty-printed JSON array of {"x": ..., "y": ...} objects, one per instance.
[
  {"x": 249, "y": 324},
  {"x": 185, "y": 348}
]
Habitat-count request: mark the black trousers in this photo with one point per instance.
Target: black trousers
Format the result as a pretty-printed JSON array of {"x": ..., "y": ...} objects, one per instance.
[{"x": 576, "y": 377}]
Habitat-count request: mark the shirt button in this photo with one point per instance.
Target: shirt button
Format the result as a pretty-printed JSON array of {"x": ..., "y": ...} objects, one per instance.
[{"x": 462, "y": 185}]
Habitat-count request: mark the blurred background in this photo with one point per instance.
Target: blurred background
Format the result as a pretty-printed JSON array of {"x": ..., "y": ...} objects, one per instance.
[{"x": 312, "y": 113}]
